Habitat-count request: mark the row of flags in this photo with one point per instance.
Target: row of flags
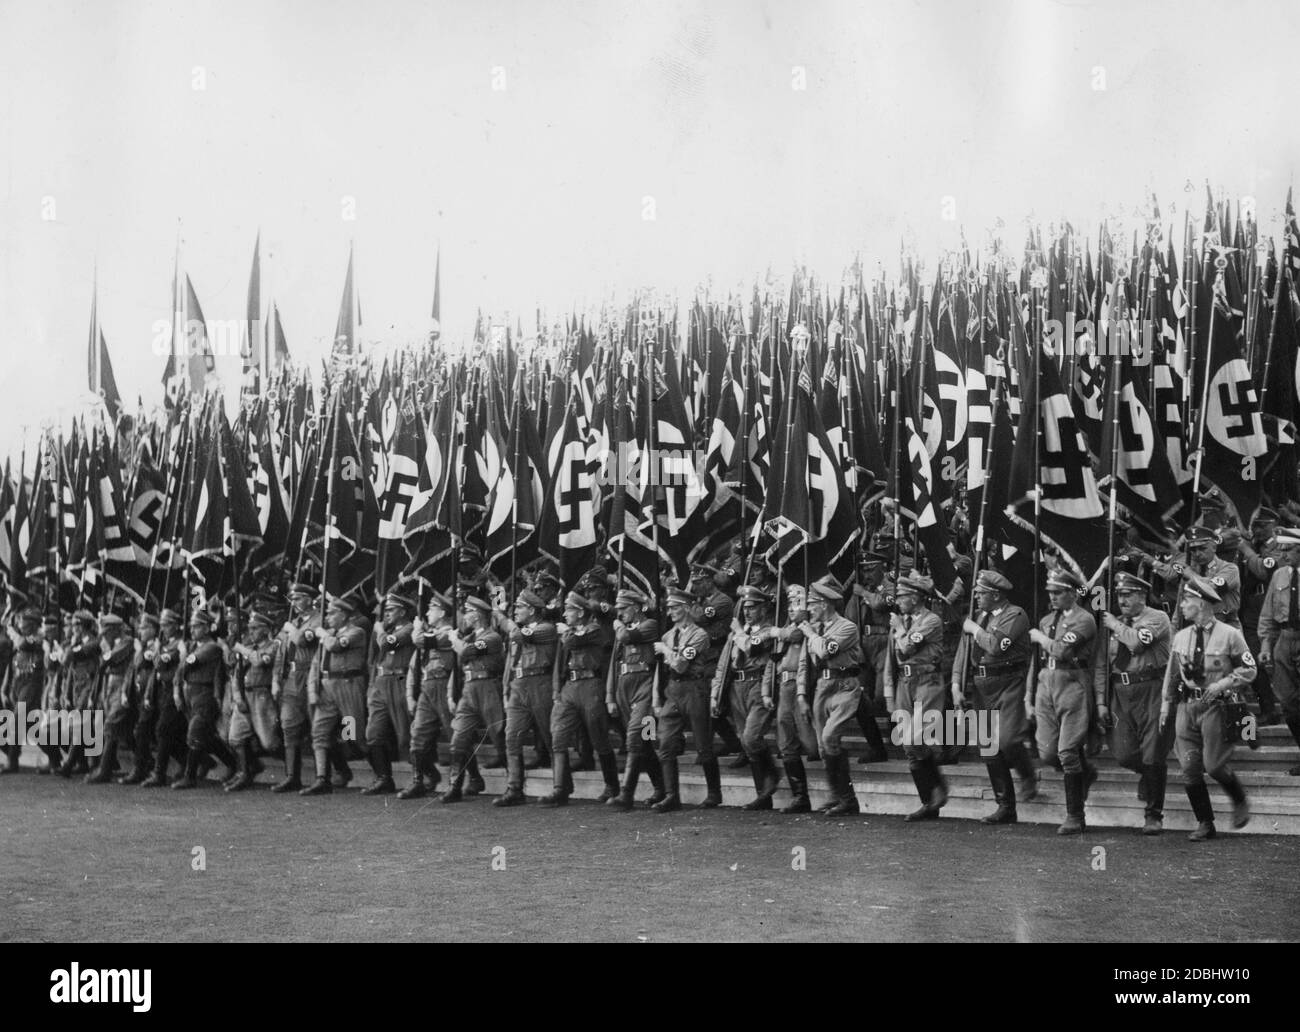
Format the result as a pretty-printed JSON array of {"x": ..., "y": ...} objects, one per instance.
[{"x": 1004, "y": 403}]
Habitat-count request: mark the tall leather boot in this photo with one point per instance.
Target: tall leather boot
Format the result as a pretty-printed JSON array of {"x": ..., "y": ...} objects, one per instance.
[
  {"x": 474, "y": 783},
  {"x": 713, "y": 780},
  {"x": 848, "y": 799},
  {"x": 1199, "y": 796},
  {"x": 244, "y": 758},
  {"x": 455, "y": 794},
  {"x": 75, "y": 757},
  {"x": 832, "y": 784},
  {"x": 1240, "y": 806},
  {"x": 1154, "y": 776},
  {"x": 514, "y": 793},
  {"x": 541, "y": 755},
  {"x": 1004, "y": 791},
  {"x": 1089, "y": 776},
  {"x": 141, "y": 763},
  {"x": 797, "y": 775},
  {"x": 107, "y": 761},
  {"x": 1074, "y": 823},
  {"x": 626, "y": 798},
  {"x": 758, "y": 768},
  {"x": 672, "y": 799},
  {"x": 158, "y": 777},
  {"x": 223, "y": 753},
  {"x": 339, "y": 764},
  {"x": 876, "y": 752},
  {"x": 12, "y": 753},
  {"x": 55, "y": 759},
  {"x": 561, "y": 780},
  {"x": 382, "y": 765},
  {"x": 190, "y": 779},
  {"x": 608, "y": 770},
  {"x": 322, "y": 785},
  {"x": 730, "y": 743},
  {"x": 655, "y": 772},
  {"x": 292, "y": 770},
  {"x": 939, "y": 789},
  {"x": 1020, "y": 761},
  {"x": 922, "y": 778}
]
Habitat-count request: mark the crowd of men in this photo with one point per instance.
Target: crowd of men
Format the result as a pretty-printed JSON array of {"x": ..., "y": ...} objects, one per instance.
[{"x": 763, "y": 667}]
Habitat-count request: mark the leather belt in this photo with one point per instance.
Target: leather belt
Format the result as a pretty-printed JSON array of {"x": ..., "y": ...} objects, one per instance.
[
  {"x": 687, "y": 680},
  {"x": 531, "y": 671},
  {"x": 878, "y": 629},
  {"x": 1128, "y": 680},
  {"x": 633, "y": 668},
  {"x": 913, "y": 669},
  {"x": 747, "y": 677},
  {"x": 994, "y": 669},
  {"x": 789, "y": 675},
  {"x": 838, "y": 673},
  {"x": 1062, "y": 664},
  {"x": 1188, "y": 692},
  {"x": 480, "y": 675},
  {"x": 584, "y": 675}
]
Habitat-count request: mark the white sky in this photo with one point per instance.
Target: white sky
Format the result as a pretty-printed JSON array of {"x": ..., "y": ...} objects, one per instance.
[{"x": 536, "y": 191}]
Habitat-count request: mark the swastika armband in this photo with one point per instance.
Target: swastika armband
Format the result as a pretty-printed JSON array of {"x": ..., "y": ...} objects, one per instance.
[
  {"x": 481, "y": 645},
  {"x": 1070, "y": 638},
  {"x": 1269, "y": 563},
  {"x": 1219, "y": 582},
  {"x": 1004, "y": 644},
  {"x": 915, "y": 638},
  {"x": 1145, "y": 636},
  {"x": 710, "y": 611},
  {"x": 688, "y": 652},
  {"x": 1247, "y": 659},
  {"x": 832, "y": 647}
]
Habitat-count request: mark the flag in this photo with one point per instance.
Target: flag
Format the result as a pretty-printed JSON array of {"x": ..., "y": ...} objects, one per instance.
[
  {"x": 402, "y": 493},
  {"x": 569, "y": 517},
  {"x": 250, "y": 342}
]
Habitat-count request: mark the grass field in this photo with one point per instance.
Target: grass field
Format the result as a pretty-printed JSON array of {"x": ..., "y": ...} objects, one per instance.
[{"x": 107, "y": 863}]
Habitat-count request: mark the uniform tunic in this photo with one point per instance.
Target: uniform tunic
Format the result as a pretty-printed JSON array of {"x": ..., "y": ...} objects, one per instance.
[
  {"x": 1000, "y": 653},
  {"x": 795, "y": 734},
  {"x": 717, "y": 611},
  {"x": 753, "y": 680},
  {"x": 299, "y": 643},
  {"x": 686, "y": 693},
  {"x": 27, "y": 672},
  {"x": 634, "y": 663},
  {"x": 1223, "y": 574},
  {"x": 1279, "y": 634},
  {"x": 198, "y": 677},
  {"x": 427, "y": 678},
  {"x": 1225, "y": 662},
  {"x": 1139, "y": 654},
  {"x": 914, "y": 680},
  {"x": 831, "y": 666},
  {"x": 83, "y": 680},
  {"x": 255, "y": 668},
  {"x": 388, "y": 724},
  {"x": 115, "y": 696},
  {"x": 338, "y": 681},
  {"x": 1063, "y": 705},
  {"x": 579, "y": 687},
  {"x": 169, "y": 722},
  {"x": 876, "y": 607},
  {"x": 529, "y": 672},
  {"x": 479, "y": 706}
]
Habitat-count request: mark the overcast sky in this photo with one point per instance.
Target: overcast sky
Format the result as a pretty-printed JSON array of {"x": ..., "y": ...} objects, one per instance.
[{"x": 527, "y": 138}]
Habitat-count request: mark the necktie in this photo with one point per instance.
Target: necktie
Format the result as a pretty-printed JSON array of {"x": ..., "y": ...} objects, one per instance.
[
  {"x": 1198, "y": 656},
  {"x": 1122, "y": 653},
  {"x": 1293, "y": 615}
]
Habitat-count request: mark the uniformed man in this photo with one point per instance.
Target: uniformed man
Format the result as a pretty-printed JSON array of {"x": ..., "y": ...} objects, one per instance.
[
  {"x": 578, "y": 682},
  {"x": 54, "y": 649},
  {"x": 914, "y": 685},
  {"x": 253, "y": 720},
  {"x": 1065, "y": 638},
  {"x": 1209, "y": 661},
  {"x": 796, "y": 737},
  {"x": 84, "y": 655},
  {"x": 999, "y": 654},
  {"x": 114, "y": 693},
  {"x": 829, "y": 666},
  {"x": 1138, "y": 643},
  {"x": 528, "y": 687},
  {"x": 874, "y": 602},
  {"x": 480, "y": 650},
  {"x": 428, "y": 692},
  {"x": 336, "y": 688},
  {"x": 1259, "y": 557},
  {"x": 388, "y": 727},
  {"x": 1279, "y": 634},
  {"x": 298, "y": 643},
  {"x": 1202, "y": 560},
  {"x": 25, "y": 679},
  {"x": 139, "y": 686},
  {"x": 199, "y": 676},
  {"x": 753, "y": 678},
  {"x": 716, "y": 608},
  {"x": 167, "y": 718},
  {"x": 631, "y": 678},
  {"x": 683, "y": 701}
]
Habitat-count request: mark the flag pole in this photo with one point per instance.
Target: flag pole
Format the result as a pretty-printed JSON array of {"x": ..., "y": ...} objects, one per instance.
[
  {"x": 337, "y": 387},
  {"x": 1205, "y": 391}
]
